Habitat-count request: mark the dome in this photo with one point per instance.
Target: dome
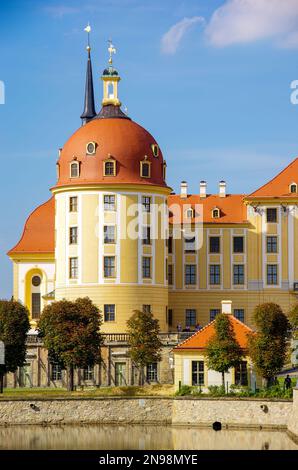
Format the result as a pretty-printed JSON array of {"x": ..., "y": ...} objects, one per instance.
[{"x": 121, "y": 140}]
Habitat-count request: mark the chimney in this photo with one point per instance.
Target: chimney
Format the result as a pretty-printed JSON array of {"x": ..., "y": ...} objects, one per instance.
[
  {"x": 183, "y": 190},
  {"x": 226, "y": 307},
  {"x": 203, "y": 189},
  {"x": 222, "y": 189}
]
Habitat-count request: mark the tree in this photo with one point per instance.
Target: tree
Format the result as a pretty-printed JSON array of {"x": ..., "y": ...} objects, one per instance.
[
  {"x": 71, "y": 333},
  {"x": 223, "y": 350},
  {"x": 14, "y": 326},
  {"x": 293, "y": 317},
  {"x": 145, "y": 345},
  {"x": 268, "y": 347}
]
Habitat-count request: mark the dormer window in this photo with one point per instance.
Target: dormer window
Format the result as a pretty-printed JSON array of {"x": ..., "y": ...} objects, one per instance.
[
  {"x": 293, "y": 188},
  {"x": 189, "y": 213},
  {"x": 109, "y": 167},
  {"x": 74, "y": 169},
  {"x": 216, "y": 213},
  {"x": 58, "y": 170},
  {"x": 91, "y": 148},
  {"x": 155, "y": 150},
  {"x": 164, "y": 170},
  {"x": 145, "y": 168}
]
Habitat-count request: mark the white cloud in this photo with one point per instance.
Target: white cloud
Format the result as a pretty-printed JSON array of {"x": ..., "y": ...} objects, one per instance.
[
  {"x": 244, "y": 21},
  {"x": 172, "y": 38},
  {"x": 59, "y": 11}
]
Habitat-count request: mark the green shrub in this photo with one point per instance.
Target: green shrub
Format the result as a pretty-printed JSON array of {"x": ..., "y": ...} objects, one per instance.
[
  {"x": 184, "y": 390},
  {"x": 216, "y": 391}
]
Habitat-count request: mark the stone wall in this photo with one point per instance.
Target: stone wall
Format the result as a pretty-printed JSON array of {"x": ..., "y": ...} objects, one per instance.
[
  {"x": 83, "y": 411},
  {"x": 232, "y": 413},
  {"x": 293, "y": 418},
  {"x": 155, "y": 410}
]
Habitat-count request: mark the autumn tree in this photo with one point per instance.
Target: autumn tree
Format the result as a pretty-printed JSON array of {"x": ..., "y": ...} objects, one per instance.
[
  {"x": 268, "y": 347},
  {"x": 71, "y": 333},
  {"x": 14, "y": 326},
  {"x": 223, "y": 350},
  {"x": 145, "y": 345},
  {"x": 293, "y": 317}
]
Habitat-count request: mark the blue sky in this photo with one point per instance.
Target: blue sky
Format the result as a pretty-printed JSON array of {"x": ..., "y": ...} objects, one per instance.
[{"x": 210, "y": 79}]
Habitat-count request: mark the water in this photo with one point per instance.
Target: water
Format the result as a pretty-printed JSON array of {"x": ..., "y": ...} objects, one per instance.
[{"x": 125, "y": 437}]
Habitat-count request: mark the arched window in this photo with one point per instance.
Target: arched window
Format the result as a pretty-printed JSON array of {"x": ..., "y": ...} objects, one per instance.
[
  {"x": 109, "y": 167},
  {"x": 74, "y": 169},
  {"x": 145, "y": 168},
  {"x": 293, "y": 188},
  {"x": 110, "y": 90},
  {"x": 35, "y": 297},
  {"x": 216, "y": 213}
]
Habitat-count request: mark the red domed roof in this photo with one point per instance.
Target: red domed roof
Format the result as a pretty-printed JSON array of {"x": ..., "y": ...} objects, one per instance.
[{"x": 119, "y": 139}]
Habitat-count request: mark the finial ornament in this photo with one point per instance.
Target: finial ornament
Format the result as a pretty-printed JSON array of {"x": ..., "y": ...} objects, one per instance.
[
  {"x": 112, "y": 50},
  {"x": 88, "y": 31}
]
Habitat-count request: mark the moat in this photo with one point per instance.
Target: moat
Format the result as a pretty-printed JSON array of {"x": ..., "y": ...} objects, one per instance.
[{"x": 139, "y": 437}]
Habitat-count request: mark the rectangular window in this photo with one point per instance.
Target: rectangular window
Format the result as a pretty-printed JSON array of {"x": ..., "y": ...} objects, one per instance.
[
  {"x": 214, "y": 244},
  {"x": 271, "y": 244},
  {"x": 109, "y": 233},
  {"x": 239, "y": 314},
  {"x": 214, "y": 274},
  {"x": 146, "y": 236},
  {"x": 145, "y": 169},
  {"x": 170, "y": 245},
  {"x": 36, "y": 306},
  {"x": 109, "y": 266},
  {"x": 170, "y": 317},
  {"x": 73, "y": 204},
  {"x": 73, "y": 235},
  {"x": 272, "y": 274},
  {"x": 238, "y": 244},
  {"x": 190, "y": 274},
  {"x": 109, "y": 312},
  {"x": 238, "y": 274},
  {"x": 146, "y": 203},
  {"x": 109, "y": 202},
  {"x": 190, "y": 244},
  {"x": 109, "y": 168},
  {"x": 170, "y": 274},
  {"x": 152, "y": 372},
  {"x": 146, "y": 265},
  {"x": 190, "y": 317},
  {"x": 146, "y": 308},
  {"x": 88, "y": 373},
  {"x": 197, "y": 373},
  {"x": 241, "y": 374},
  {"x": 73, "y": 268},
  {"x": 213, "y": 313},
  {"x": 271, "y": 215},
  {"x": 56, "y": 372}
]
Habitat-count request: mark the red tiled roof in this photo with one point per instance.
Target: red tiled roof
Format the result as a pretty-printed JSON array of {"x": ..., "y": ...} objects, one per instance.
[
  {"x": 200, "y": 339},
  {"x": 39, "y": 230},
  {"x": 232, "y": 207},
  {"x": 279, "y": 185}
]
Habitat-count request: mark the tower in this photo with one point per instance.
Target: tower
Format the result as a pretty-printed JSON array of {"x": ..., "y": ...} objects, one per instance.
[{"x": 111, "y": 215}]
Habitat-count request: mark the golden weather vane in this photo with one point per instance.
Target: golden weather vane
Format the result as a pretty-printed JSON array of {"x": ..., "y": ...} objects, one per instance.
[
  {"x": 112, "y": 50},
  {"x": 88, "y": 30}
]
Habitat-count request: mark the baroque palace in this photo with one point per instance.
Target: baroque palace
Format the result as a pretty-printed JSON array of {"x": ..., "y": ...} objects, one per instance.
[{"x": 115, "y": 232}]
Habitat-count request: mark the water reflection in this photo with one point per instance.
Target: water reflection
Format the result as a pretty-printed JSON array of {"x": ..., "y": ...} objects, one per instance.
[{"x": 139, "y": 437}]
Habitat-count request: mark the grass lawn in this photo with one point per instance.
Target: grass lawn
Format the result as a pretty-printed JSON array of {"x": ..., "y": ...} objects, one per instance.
[{"x": 36, "y": 393}]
